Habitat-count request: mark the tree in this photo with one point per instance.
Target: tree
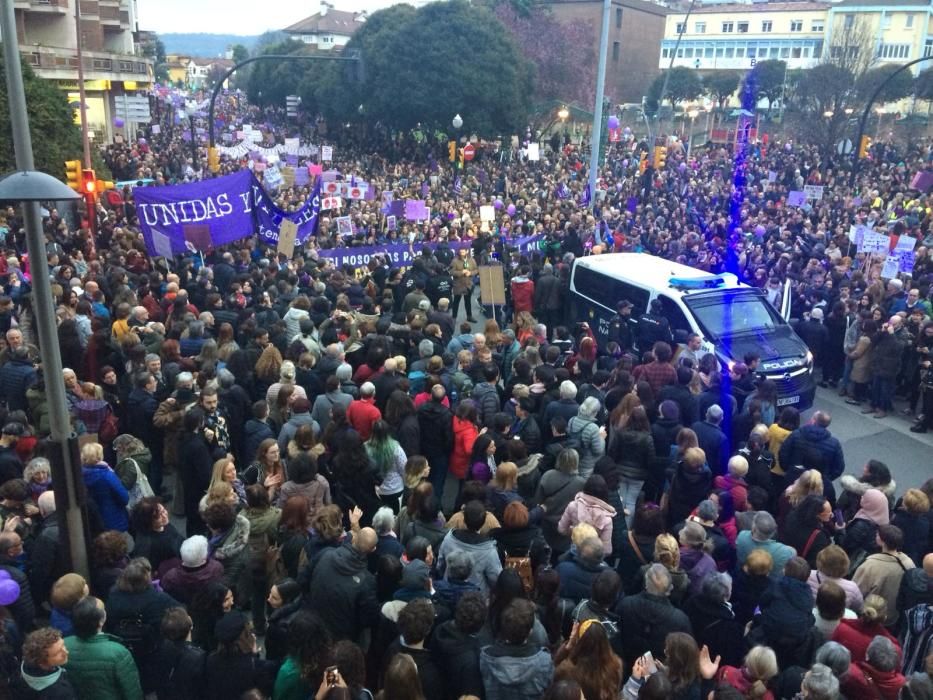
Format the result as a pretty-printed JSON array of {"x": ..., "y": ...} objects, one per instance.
[
  {"x": 897, "y": 88},
  {"x": 766, "y": 81},
  {"x": 270, "y": 82},
  {"x": 55, "y": 136},
  {"x": 155, "y": 49},
  {"x": 684, "y": 84},
  {"x": 822, "y": 95},
  {"x": 720, "y": 85},
  {"x": 567, "y": 75},
  {"x": 240, "y": 53},
  {"x": 425, "y": 65},
  {"x": 923, "y": 85},
  {"x": 214, "y": 76}
]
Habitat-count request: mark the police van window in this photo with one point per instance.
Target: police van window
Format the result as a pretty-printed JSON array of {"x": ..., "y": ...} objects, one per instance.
[
  {"x": 674, "y": 315},
  {"x": 607, "y": 291},
  {"x": 636, "y": 295}
]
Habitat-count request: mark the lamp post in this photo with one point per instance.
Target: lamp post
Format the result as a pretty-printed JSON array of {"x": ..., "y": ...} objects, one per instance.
[
  {"x": 693, "y": 115},
  {"x": 31, "y": 187}
]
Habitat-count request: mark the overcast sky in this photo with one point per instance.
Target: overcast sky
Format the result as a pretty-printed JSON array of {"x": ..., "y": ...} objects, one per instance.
[{"x": 243, "y": 17}]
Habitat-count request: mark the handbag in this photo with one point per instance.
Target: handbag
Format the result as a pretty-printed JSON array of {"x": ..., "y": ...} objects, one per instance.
[{"x": 141, "y": 489}]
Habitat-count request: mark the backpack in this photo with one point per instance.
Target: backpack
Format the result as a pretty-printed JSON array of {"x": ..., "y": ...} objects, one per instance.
[
  {"x": 609, "y": 622},
  {"x": 137, "y": 635},
  {"x": 141, "y": 489},
  {"x": 522, "y": 565}
]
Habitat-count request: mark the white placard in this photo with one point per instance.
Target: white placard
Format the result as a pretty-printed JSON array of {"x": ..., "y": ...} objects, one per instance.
[
  {"x": 487, "y": 212},
  {"x": 905, "y": 243},
  {"x": 331, "y": 203},
  {"x": 534, "y": 151},
  {"x": 874, "y": 242},
  {"x": 327, "y": 152},
  {"x": 891, "y": 266},
  {"x": 814, "y": 192},
  {"x": 156, "y": 129},
  {"x": 292, "y": 146}
]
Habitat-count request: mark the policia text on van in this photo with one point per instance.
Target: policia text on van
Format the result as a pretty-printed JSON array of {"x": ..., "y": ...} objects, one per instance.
[{"x": 731, "y": 318}]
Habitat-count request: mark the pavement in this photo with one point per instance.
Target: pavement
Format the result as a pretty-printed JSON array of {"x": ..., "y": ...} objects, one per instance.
[{"x": 863, "y": 437}]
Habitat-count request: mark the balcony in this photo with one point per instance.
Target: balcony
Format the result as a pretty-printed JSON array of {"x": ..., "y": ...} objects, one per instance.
[
  {"x": 59, "y": 7},
  {"x": 56, "y": 63},
  {"x": 114, "y": 17}
]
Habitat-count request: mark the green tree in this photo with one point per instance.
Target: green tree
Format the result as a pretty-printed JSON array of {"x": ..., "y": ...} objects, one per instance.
[
  {"x": 897, "y": 87},
  {"x": 240, "y": 53},
  {"x": 55, "y": 136},
  {"x": 270, "y": 82},
  {"x": 720, "y": 85},
  {"x": 766, "y": 81},
  {"x": 684, "y": 85},
  {"x": 923, "y": 85},
  {"x": 423, "y": 66},
  {"x": 822, "y": 95}
]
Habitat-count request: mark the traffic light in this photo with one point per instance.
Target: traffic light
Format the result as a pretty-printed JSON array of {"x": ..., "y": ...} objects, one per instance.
[
  {"x": 462, "y": 158},
  {"x": 73, "y": 170},
  {"x": 660, "y": 157},
  {"x": 864, "y": 146},
  {"x": 88, "y": 182},
  {"x": 643, "y": 164},
  {"x": 104, "y": 185},
  {"x": 213, "y": 159},
  {"x": 452, "y": 151}
]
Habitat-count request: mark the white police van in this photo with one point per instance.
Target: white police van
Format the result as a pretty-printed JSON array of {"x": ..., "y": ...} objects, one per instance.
[{"x": 731, "y": 318}]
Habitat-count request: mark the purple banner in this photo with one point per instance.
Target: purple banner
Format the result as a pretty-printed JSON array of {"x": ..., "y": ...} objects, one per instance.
[
  {"x": 227, "y": 208},
  {"x": 399, "y": 255}
]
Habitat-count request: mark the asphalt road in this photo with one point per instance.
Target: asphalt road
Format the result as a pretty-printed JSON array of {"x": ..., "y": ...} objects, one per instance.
[{"x": 908, "y": 455}]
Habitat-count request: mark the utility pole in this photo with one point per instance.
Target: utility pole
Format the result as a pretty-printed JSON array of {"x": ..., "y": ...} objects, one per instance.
[
  {"x": 81, "y": 94},
  {"x": 597, "y": 135},
  {"x": 66, "y": 474}
]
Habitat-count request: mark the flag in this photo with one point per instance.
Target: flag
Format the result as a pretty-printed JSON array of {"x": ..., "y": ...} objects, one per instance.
[
  {"x": 561, "y": 191},
  {"x": 353, "y": 181},
  {"x": 425, "y": 189},
  {"x": 584, "y": 200},
  {"x": 458, "y": 187}
]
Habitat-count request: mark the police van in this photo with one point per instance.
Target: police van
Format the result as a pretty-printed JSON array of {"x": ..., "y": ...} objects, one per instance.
[{"x": 730, "y": 317}]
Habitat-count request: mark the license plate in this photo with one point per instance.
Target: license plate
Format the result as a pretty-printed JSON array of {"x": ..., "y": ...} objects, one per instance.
[{"x": 788, "y": 400}]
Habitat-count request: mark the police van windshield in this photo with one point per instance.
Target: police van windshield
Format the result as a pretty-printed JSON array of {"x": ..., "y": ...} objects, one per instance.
[{"x": 732, "y": 313}]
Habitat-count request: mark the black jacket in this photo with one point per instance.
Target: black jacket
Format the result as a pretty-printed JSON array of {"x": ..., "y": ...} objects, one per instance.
[
  {"x": 408, "y": 435},
  {"x": 61, "y": 689},
  {"x": 529, "y": 432},
  {"x": 633, "y": 451},
  {"x": 228, "y": 677},
  {"x": 11, "y": 466},
  {"x": 158, "y": 547},
  {"x": 714, "y": 625},
  {"x": 646, "y": 621},
  {"x": 24, "y": 609},
  {"x": 860, "y": 534},
  {"x": 343, "y": 593},
  {"x": 686, "y": 401},
  {"x": 688, "y": 488},
  {"x": 46, "y": 561},
  {"x": 916, "y": 589},
  {"x": 548, "y": 293},
  {"x": 183, "y": 667},
  {"x": 576, "y": 577},
  {"x": 276, "y": 640},
  {"x": 140, "y": 409},
  {"x": 458, "y": 657},
  {"x": 437, "y": 433}
]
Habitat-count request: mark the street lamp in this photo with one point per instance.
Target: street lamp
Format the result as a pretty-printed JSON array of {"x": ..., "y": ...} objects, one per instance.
[
  {"x": 457, "y": 122},
  {"x": 563, "y": 113},
  {"x": 693, "y": 115},
  {"x": 828, "y": 114}
]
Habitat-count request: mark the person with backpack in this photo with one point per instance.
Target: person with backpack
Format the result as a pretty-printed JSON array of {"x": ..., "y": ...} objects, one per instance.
[
  {"x": 604, "y": 606},
  {"x": 592, "y": 437}
]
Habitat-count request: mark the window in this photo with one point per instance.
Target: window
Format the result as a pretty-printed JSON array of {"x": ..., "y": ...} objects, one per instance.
[
  {"x": 817, "y": 26},
  {"x": 766, "y": 26},
  {"x": 928, "y": 49},
  {"x": 894, "y": 51},
  {"x": 615, "y": 50},
  {"x": 688, "y": 52},
  {"x": 785, "y": 52},
  {"x": 818, "y": 50},
  {"x": 731, "y": 312},
  {"x": 740, "y": 52},
  {"x": 708, "y": 52},
  {"x": 909, "y": 21},
  {"x": 608, "y": 292},
  {"x": 762, "y": 51},
  {"x": 727, "y": 27},
  {"x": 680, "y": 28},
  {"x": 796, "y": 25},
  {"x": 848, "y": 21},
  {"x": 699, "y": 27},
  {"x": 742, "y": 27},
  {"x": 674, "y": 315},
  {"x": 618, "y": 17},
  {"x": 665, "y": 53},
  {"x": 680, "y": 53},
  {"x": 719, "y": 52},
  {"x": 773, "y": 52},
  {"x": 795, "y": 52}
]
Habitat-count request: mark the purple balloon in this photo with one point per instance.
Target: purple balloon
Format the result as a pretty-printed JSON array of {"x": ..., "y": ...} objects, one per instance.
[
  {"x": 142, "y": 141},
  {"x": 682, "y": 167},
  {"x": 518, "y": 223},
  {"x": 511, "y": 210},
  {"x": 625, "y": 163},
  {"x": 760, "y": 230},
  {"x": 613, "y": 122},
  {"x": 9, "y": 592},
  {"x": 451, "y": 216},
  {"x": 118, "y": 122},
  {"x": 497, "y": 204},
  {"x": 4, "y": 575}
]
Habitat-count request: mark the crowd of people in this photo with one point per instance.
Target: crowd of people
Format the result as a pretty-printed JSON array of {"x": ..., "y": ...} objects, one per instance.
[{"x": 306, "y": 480}]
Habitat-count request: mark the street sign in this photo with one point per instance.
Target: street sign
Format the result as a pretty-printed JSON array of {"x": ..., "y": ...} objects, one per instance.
[
  {"x": 845, "y": 147},
  {"x": 469, "y": 152}
]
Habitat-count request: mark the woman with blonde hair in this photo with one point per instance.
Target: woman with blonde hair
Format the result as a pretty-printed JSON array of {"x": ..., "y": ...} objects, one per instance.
[
  {"x": 667, "y": 553},
  {"x": 268, "y": 367},
  {"x": 832, "y": 564},
  {"x": 809, "y": 483},
  {"x": 287, "y": 374},
  {"x": 752, "y": 679},
  {"x": 224, "y": 470},
  {"x": 104, "y": 487},
  {"x": 856, "y": 635}
]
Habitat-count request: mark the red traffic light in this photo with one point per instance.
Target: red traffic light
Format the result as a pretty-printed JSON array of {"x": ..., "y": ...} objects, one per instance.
[{"x": 88, "y": 181}]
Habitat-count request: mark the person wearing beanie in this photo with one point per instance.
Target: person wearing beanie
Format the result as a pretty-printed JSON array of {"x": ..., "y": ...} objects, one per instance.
[
  {"x": 236, "y": 667},
  {"x": 734, "y": 482},
  {"x": 194, "y": 573}
]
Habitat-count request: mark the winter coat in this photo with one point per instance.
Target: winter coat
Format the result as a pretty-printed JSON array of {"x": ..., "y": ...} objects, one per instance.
[
  {"x": 343, "y": 592},
  {"x": 714, "y": 443},
  {"x": 39, "y": 684},
  {"x": 325, "y": 403},
  {"x": 646, "y": 621},
  {"x": 230, "y": 676},
  {"x": 787, "y": 610},
  {"x": 633, "y": 451},
  {"x": 813, "y": 447},
  {"x": 881, "y": 574},
  {"x": 861, "y": 361},
  {"x": 523, "y": 294},
  {"x": 516, "y": 672},
  {"x": 916, "y": 589},
  {"x": 158, "y": 547},
  {"x": 688, "y": 488},
  {"x": 482, "y": 551},
  {"x": 886, "y": 353},
  {"x": 464, "y": 435},
  {"x": 276, "y": 640},
  {"x": 434, "y": 532},
  {"x": 855, "y": 636},
  {"x": 148, "y": 606},
  {"x": 458, "y": 656},
  {"x": 555, "y": 491},
  {"x": 735, "y": 677},
  {"x": 714, "y": 624},
  {"x": 101, "y": 668},
  {"x": 232, "y": 550},
  {"x": 16, "y": 376},
  {"x": 780, "y": 553},
  {"x": 865, "y": 681},
  {"x": 576, "y": 576},
  {"x": 853, "y": 489},
  {"x": 46, "y": 562},
  {"x": 860, "y": 534},
  {"x": 592, "y": 510},
  {"x": 109, "y": 494},
  {"x": 592, "y": 444},
  {"x": 735, "y": 486},
  {"x": 141, "y": 407},
  {"x": 287, "y": 433},
  {"x": 916, "y": 529},
  {"x": 488, "y": 403},
  {"x": 182, "y": 582},
  {"x": 547, "y": 292},
  {"x": 697, "y": 564},
  {"x": 316, "y": 491},
  {"x": 854, "y": 598}
]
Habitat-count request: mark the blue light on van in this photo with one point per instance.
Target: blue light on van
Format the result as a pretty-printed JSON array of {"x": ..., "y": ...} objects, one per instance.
[{"x": 705, "y": 282}]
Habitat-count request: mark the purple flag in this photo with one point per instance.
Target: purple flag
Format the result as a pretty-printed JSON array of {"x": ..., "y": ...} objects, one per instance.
[
  {"x": 584, "y": 200},
  {"x": 458, "y": 187},
  {"x": 425, "y": 189}
]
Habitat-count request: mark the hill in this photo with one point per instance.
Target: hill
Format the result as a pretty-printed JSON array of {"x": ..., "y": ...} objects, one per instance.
[{"x": 205, "y": 45}]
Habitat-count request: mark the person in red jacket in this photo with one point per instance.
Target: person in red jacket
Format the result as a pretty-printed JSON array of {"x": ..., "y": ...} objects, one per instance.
[
  {"x": 465, "y": 433},
  {"x": 877, "y": 676},
  {"x": 856, "y": 635},
  {"x": 523, "y": 291},
  {"x": 363, "y": 413}
]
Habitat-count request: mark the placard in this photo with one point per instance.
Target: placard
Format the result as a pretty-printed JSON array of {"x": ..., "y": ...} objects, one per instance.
[
  {"x": 198, "y": 235},
  {"x": 534, "y": 151},
  {"x": 391, "y": 223},
  {"x": 905, "y": 243},
  {"x": 288, "y": 232},
  {"x": 156, "y": 129},
  {"x": 344, "y": 226},
  {"x": 487, "y": 212},
  {"x": 415, "y": 210},
  {"x": 814, "y": 192},
  {"x": 331, "y": 203},
  {"x": 288, "y": 176},
  {"x": 891, "y": 267},
  {"x": 292, "y": 145},
  {"x": 327, "y": 152},
  {"x": 162, "y": 244},
  {"x": 796, "y": 198},
  {"x": 907, "y": 258},
  {"x": 772, "y": 176},
  {"x": 874, "y": 243},
  {"x": 491, "y": 285}
]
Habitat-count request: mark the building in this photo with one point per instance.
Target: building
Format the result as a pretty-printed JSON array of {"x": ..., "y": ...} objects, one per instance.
[
  {"x": 890, "y": 31},
  {"x": 198, "y": 70},
  {"x": 327, "y": 29},
  {"x": 112, "y": 65},
  {"x": 735, "y": 36},
  {"x": 636, "y": 29},
  {"x": 177, "y": 65}
]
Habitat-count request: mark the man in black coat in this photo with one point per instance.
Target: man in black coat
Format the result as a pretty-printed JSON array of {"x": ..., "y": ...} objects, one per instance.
[
  {"x": 141, "y": 406},
  {"x": 680, "y": 394},
  {"x": 11, "y": 466},
  {"x": 713, "y": 440},
  {"x": 23, "y": 610},
  {"x": 16, "y": 376},
  {"x": 182, "y": 661},
  {"x": 46, "y": 562},
  {"x": 457, "y": 646},
  {"x": 547, "y": 298},
  {"x": 812, "y": 446},
  {"x": 437, "y": 435},
  {"x": 649, "y": 616},
  {"x": 342, "y": 590},
  {"x": 578, "y": 570}
]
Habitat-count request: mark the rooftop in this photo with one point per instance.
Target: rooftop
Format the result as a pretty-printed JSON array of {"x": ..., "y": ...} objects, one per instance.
[
  {"x": 762, "y": 7},
  {"x": 647, "y": 269},
  {"x": 331, "y": 22},
  {"x": 883, "y": 3}
]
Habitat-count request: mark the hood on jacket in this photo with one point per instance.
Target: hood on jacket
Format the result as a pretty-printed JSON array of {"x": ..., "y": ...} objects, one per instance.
[
  {"x": 478, "y": 544},
  {"x": 235, "y": 540},
  {"x": 853, "y": 485},
  {"x": 95, "y": 473},
  {"x": 815, "y": 433},
  {"x": 516, "y": 665},
  {"x": 797, "y": 593},
  {"x": 39, "y": 680},
  {"x": 595, "y": 508},
  {"x": 347, "y": 561},
  {"x": 694, "y": 477},
  {"x": 449, "y": 640},
  {"x": 529, "y": 465}
]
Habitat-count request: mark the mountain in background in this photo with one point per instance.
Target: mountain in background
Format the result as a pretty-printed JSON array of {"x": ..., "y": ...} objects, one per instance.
[{"x": 205, "y": 45}]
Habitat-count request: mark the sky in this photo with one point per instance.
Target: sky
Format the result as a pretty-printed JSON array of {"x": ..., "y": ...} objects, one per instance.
[{"x": 245, "y": 17}]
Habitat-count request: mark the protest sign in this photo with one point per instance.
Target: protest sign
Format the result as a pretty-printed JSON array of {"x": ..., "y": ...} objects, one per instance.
[
  {"x": 161, "y": 244},
  {"x": 288, "y": 176},
  {"x": 315, "y": 170},
  {"x": 415, "y": 210},
  {"x": 292, "y": 145},
  {"x": 302, "y": 177},
  {"x": 327, "y": 153},
  {"x": 534, "y": 151},
  {"x": 905, "y": 243},
  {"x": 288, "y": 232},
  {"x": 391, "y": 223},
  {"x": 344, "y": 226},
  {"x": 487, "y": 212},
  {"x": 814, "y": 192},
  {"x": 491, "y": 285},
  {"x": 331, "y": 202},
  {"x": 890, "y": 267},
  {"x": 874, "y": 243},
  {"x": 156, "y": 129},
  {"x": 796, "y": 198},
  {"x": 907, "y": 259},
  {"x": 772, "y": 176}
]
